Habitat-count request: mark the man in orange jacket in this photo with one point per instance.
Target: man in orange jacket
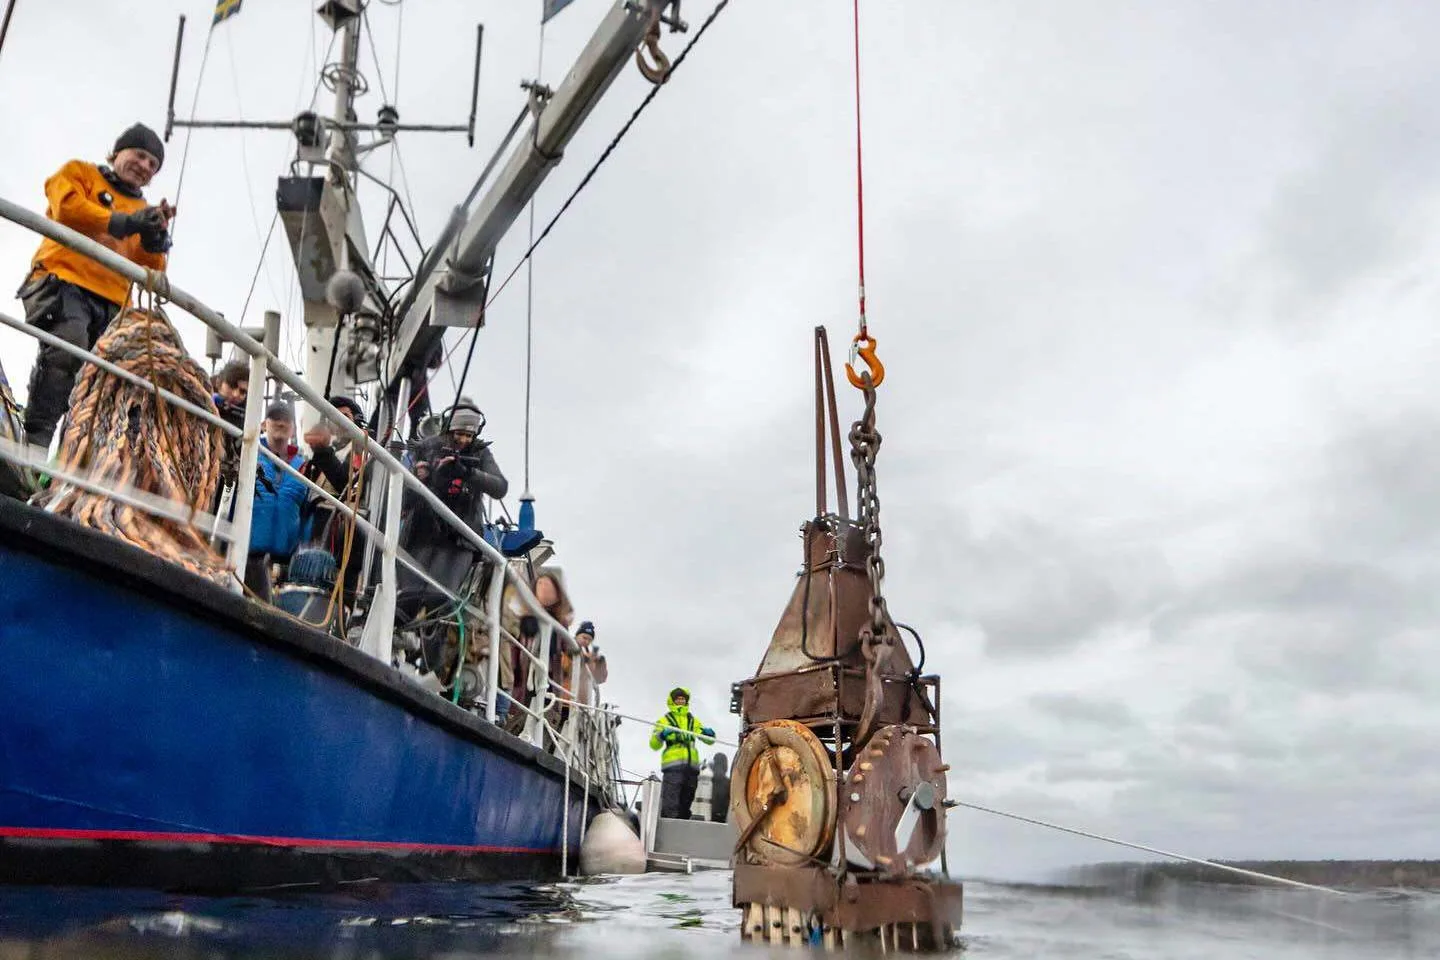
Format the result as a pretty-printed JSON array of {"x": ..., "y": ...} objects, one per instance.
[{"x": 70, "y": 295}]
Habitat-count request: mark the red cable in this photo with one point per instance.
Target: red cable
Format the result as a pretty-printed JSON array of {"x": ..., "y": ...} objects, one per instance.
[{"x": 859, "y": 174}]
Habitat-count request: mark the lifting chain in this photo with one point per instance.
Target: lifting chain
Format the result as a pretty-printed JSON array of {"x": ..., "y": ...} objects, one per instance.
[{"x": 875, "y": 636}]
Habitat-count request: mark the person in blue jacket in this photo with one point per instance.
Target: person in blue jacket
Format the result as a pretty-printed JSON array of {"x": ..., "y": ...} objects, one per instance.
[{"x": 279, "y": 501}]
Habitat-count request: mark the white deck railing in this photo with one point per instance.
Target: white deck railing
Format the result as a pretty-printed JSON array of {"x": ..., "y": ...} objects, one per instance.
[{"x": 582, "y": 742}]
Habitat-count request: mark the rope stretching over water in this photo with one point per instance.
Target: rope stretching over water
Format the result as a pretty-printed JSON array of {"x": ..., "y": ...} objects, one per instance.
[
  {"x": 1254, "y": 874},
  {"x": 122, "y": 436}
]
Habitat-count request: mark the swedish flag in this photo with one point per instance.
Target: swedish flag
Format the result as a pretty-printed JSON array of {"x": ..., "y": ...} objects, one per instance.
[{"x": 224, "y": 10}]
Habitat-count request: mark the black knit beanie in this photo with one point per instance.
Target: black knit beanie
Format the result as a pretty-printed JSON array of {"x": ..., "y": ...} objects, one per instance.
[{"x": 142, "y": 137}]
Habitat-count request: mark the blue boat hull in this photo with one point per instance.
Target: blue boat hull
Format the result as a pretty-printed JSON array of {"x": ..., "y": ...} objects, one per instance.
[{"x": 157, "y": 730}]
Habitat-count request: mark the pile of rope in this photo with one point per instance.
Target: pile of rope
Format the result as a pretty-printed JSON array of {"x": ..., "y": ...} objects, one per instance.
[{"x": 123, "y": 437}]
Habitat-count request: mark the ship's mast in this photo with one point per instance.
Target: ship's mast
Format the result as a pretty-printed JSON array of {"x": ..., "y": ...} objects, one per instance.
[
  {"x": 327, "y": 340},
  {"x": 347, "y": 306}
]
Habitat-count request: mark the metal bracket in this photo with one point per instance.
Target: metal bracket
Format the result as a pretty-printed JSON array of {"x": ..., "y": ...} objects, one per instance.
[
  {"x": 671, "y": 20},
  {"x": 921, "y": 800},
  {"x": 540, "y": 95}
]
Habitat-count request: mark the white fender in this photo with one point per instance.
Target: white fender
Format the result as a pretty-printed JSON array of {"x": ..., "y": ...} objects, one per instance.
[{"x": 611, "y": 846}]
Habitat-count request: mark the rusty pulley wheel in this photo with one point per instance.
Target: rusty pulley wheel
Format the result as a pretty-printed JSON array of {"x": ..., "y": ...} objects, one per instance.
[
  {"x": 782, "y": 795},
  {"x": 895, "y": 786}
]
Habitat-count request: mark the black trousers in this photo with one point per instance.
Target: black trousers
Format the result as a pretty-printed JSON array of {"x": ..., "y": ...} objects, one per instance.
[
  {"x": 257, "y": 576},
  {"x": 75, "y": 315},
  {"x": 677, "y": 791}
]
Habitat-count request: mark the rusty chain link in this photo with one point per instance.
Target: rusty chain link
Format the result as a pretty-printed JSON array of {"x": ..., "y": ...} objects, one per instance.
[{"x": 875, "y": 637}]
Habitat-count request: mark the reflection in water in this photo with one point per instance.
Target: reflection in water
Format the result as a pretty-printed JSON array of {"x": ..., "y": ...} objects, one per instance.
[{"x": 665, "y": 916}]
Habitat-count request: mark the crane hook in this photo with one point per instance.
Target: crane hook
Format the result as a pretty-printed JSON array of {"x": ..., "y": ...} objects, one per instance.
[
  {"x": 864, "y": 346},
  {"x": 657, "y": 68}
]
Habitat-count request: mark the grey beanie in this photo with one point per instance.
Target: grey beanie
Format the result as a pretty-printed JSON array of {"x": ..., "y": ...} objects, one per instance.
[{"x": 467, "y": 419}]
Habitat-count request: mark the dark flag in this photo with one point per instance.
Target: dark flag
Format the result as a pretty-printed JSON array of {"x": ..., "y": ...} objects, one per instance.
[{"x": 553, "y": 7}]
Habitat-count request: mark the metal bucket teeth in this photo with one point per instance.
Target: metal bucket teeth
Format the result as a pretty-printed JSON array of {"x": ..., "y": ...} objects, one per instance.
[{"x": 791, "y": 927}]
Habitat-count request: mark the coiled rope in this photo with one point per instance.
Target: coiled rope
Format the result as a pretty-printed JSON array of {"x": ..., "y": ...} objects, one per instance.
[{"x": 124, "y": 437}]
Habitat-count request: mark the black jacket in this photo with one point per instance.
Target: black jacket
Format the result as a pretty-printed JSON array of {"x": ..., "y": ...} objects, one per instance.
[{"x": 461, "y": 478}]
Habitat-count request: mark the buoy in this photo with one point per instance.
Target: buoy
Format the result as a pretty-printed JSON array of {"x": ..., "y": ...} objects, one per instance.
[{"x": 611, "y": 846}]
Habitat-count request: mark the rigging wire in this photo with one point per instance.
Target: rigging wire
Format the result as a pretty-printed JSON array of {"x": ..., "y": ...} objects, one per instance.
[
  {"x": 315, "y": 91},
  {"x": 590, "y": 174},
  {"x": 395, "y": 155},
  {"x": 384, "y": 98},
  {"x": 609, "y": 149},
  {"x": 292, "y": 346},
  {"x": 5, "y": 24},
  {"x": 464, "y": 375},
  {"x": 399, "y": 33},
  {"x": 530, "y": 283},
  {"x": 258, "y": 265},
  {"x": 189, "y": 131},
  {"x": 374, "y": 55},
  {"x": 405, "y": 184},
  {"x": 296, "y": 353},
  {"x": 859, "y": 177},
  {"x": 245, "y": 167}
]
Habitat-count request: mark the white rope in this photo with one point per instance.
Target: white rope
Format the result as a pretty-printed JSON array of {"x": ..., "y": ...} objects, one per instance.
[
  {"x": 626, "y": 716},
  {"x": 1255, "y": 874},
  {"x": 1164, "y": 853},
  {"x": 565, "y": 823}
]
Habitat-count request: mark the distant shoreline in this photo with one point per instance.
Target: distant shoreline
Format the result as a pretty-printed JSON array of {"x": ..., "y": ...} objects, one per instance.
[{"x": 1354, "y": 874}]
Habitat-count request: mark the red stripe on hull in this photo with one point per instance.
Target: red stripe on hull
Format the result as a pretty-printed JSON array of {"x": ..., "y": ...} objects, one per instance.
[{"x": 144, "y": 836}]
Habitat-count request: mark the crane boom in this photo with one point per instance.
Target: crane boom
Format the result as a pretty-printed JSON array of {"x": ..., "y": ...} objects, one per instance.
[{"x": 449, "y": 291}]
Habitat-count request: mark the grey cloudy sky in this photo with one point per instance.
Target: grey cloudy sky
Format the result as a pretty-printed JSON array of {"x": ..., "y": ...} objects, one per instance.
[{"x": 1152, "y": 285}]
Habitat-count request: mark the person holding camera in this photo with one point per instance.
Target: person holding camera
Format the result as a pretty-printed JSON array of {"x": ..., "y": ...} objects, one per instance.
[
  {"x": 459, "y": 467},
  {"x": 68, "y": 294},
  {"x": 460, "y": 470}
]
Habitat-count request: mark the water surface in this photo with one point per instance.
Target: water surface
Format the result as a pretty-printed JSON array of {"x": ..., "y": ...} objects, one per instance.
[{"x": 670, "y": 916}]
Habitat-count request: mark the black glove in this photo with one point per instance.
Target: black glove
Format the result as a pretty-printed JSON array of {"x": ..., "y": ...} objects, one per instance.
[
  {"x": 529, "y": 625},
  {"x": 122, "y": 225},
  {"x": 149, "y": 223},
  {"x": 149, "y": 219},
  {"x": 155, "y": 241}
]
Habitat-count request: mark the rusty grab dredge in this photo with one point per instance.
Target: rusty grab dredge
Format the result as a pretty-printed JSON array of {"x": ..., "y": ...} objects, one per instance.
[{"x": 838, "y": 788}]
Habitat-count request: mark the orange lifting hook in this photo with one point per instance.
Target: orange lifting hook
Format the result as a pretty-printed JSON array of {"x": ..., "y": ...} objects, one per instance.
[{"x": 866, "y": 353}]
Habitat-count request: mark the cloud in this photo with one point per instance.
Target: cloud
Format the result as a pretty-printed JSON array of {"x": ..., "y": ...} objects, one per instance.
[
  {"x": 1068, "y": 708},
  {"x": 1034, "y": 588},
  {"x": 1154, "y": 296}
]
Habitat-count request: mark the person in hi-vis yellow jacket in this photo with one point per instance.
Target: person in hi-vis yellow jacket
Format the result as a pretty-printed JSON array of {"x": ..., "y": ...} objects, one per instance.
[{"x": 675, "y": 735}]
